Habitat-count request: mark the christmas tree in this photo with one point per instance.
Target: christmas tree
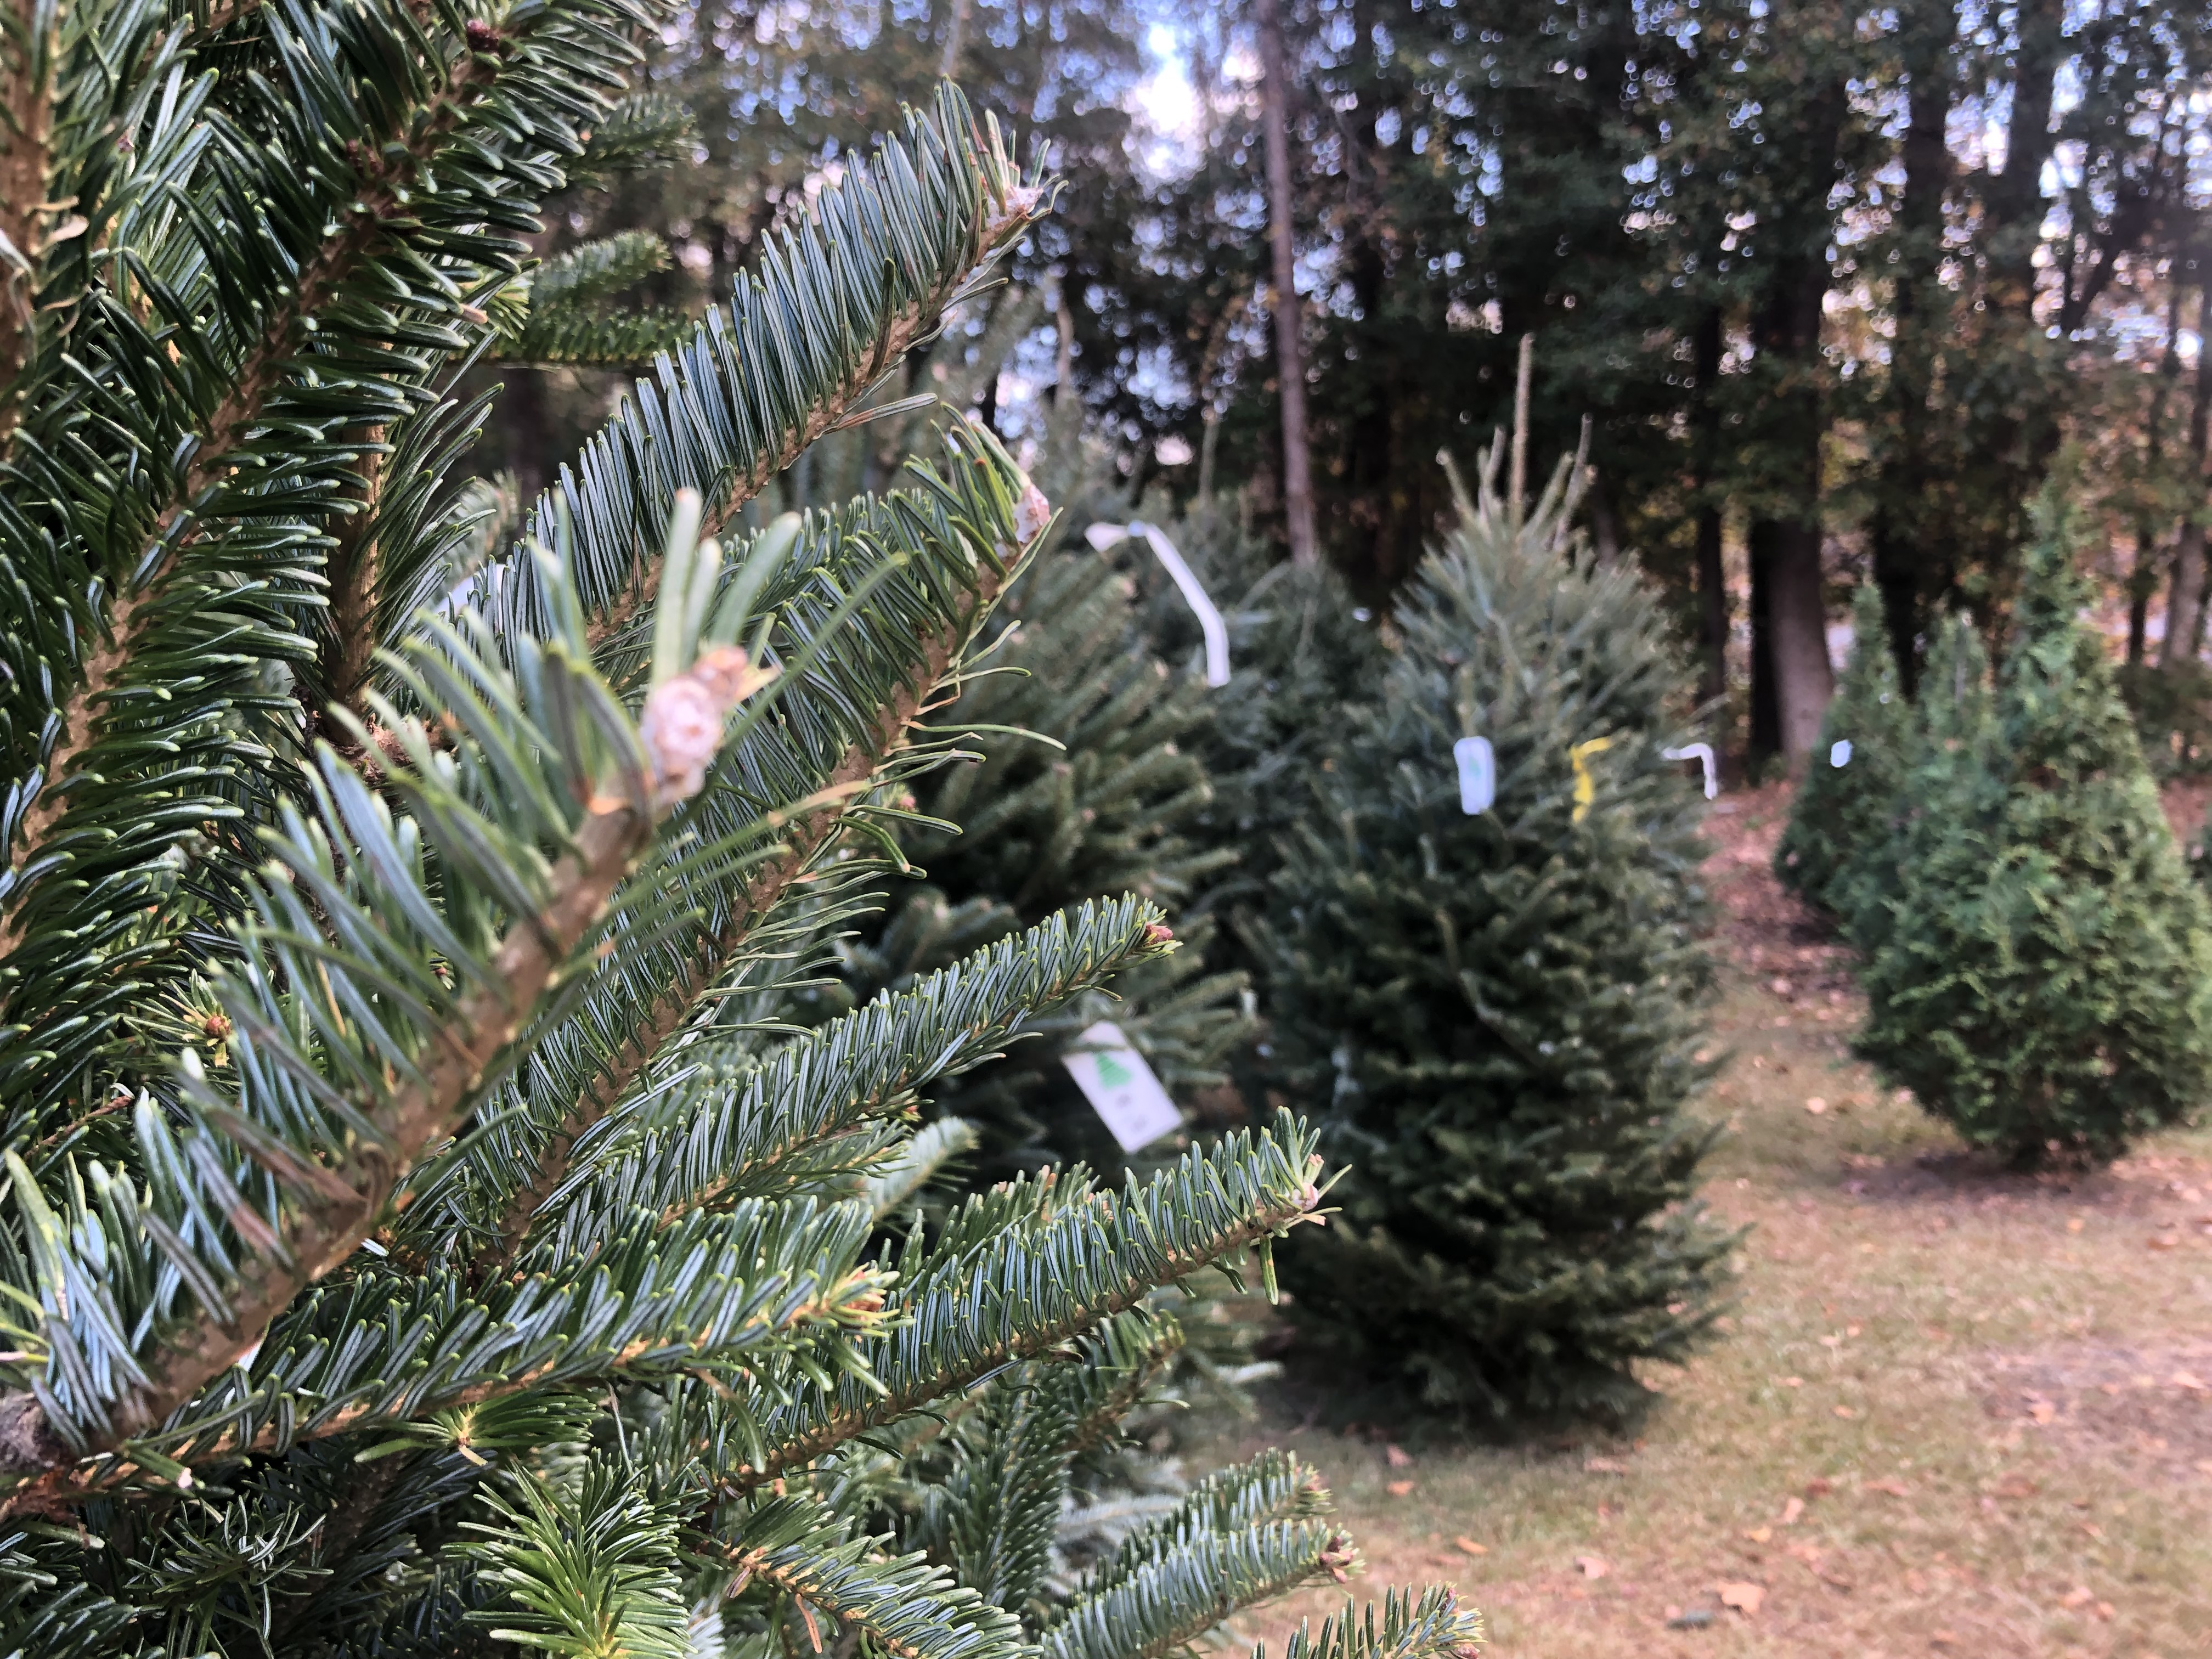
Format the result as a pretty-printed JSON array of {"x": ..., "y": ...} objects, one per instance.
[
  {"x": 1843, "y": 807},
  {"x": 1084, "y": 787},
  {"x": 408, "y": 1246},
  {"x": 1946, "y": 746},
  {"x": 2045, "y": 976},
  {"x": 1498, "y": 999}
]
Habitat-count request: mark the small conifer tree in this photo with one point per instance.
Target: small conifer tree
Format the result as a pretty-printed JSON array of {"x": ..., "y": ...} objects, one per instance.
[
  {"x": 1084, "y": 786},
  {"x": 1843, "y": 806},
  {"x": 1946, "y": 746},
  {"x": 1501, "y": 1009},
  {"x": 2044, "y": 978},
  {"x": 407, "y": 1249}
]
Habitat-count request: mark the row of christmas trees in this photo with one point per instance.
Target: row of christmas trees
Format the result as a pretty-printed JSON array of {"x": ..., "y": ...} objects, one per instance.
[
  {"x": 2037, "y": 959},
  {"x": 1493, "y": 1004}
]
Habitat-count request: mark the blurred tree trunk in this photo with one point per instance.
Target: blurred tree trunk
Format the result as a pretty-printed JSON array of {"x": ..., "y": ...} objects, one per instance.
[
  {"x": 1791, "y": 680},
  {"x": 1290, "y": 348},
  {"x": 2182, "y": 604},
  {"x": 2143, "y": 581},
  {"x": 1711, "y": 572},
  {"x": 1901, "y": 557}
]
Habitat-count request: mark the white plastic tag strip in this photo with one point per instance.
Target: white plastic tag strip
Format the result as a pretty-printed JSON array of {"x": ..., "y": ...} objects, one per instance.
[{"x": 1103, "y": 536}]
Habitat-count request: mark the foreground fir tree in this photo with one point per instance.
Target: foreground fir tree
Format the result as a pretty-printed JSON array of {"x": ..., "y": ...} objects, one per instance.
[
  {"x": 407, "y": 1247},
  {"x": 2045, "y": 979},
  {"x": 1843, "y": 807},
  {"x": 1502, "y": 1009}
]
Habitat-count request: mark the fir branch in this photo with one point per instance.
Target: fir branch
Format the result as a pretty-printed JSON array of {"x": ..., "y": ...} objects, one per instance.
[
  {"x": 355, "y": 576},
  {"x": 1273, "y": 1488},
  {"x": 839, "y": 299},
  {"x": 1121, "y": 1363},
  {"x": 384, "y": 174},
  {"x": 1435, "y": 1627},
  {"x": 591, "y": 1571},
  {"x": 353, "y": 1187},
  {"x": 643, "y": 130},
  {"x": 1170, "y": 1600},
  {"x": 806, "y": 836},
  {"x": 970, "y": 1310},
  {"x": 714, "y": 1141},
  {"x": 896, "y": 1183},
  {"x": 903, "y": 1605}
]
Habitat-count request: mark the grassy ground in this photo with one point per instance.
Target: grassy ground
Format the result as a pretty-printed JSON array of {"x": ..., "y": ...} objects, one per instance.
[{"x": 1957, "y": 1412}]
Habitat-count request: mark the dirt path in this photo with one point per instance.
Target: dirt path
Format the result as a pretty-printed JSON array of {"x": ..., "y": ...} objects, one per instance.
[{"x": 1956, "y": 1411}]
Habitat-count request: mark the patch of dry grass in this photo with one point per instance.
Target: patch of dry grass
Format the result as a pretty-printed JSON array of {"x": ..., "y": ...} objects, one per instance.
[{"x": 1957, "y": 1410}]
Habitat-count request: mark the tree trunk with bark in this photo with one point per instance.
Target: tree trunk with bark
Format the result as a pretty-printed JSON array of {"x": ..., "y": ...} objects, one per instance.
[
  {"x": 2184, "y": 605},
  {"x": 1712, "y": 568},
  {"x": 1791, "y": 680},
  {"x": 1290, "y": 347},
  {"x": 1901, "y": 559}
]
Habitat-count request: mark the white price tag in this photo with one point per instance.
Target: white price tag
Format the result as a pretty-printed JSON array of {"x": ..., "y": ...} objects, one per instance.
[
  {"x": 1478, "y": 775},
  {"x": 1120, "y": 1087},
  {"x": 1839, "y": 752}
]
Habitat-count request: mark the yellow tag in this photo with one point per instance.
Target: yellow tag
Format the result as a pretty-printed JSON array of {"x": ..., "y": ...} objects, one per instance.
[{"x": 1585, "y": 785}]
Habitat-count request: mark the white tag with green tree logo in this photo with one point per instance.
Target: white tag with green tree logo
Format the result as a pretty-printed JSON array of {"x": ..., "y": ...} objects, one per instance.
[{"x": 1120, "y": 1087}]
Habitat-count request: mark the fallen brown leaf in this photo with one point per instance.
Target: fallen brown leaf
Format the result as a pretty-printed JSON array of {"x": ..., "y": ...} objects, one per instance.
[
  {"x": 1819, "y": 1486},
  {"x": 1399, "y": 1488},
  {"x": 1894, "y": 1488},
  {"x": 1759, "y": 1534},
  {"x": 2014, "y": 1487},
  {"x": 2080, "y": 1596},
  {"x": 1843, "y": 1411},
  {"x": 1593, "y": 1566},
  {"x": 1745, "y": 1598},
  {"x": 1468, "y": 1546}
]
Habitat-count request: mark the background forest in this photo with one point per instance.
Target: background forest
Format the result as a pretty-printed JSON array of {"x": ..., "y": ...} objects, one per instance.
[{"x": 1823, "y": 277}]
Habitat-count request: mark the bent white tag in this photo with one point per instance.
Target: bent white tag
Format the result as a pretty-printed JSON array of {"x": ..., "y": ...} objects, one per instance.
[
  {"x": 1120, "y": 1087},
  {"x": 1703, "y": 754},
  {"x": 1839, "y": 752},
  {"x": 1478, "y": 775}
]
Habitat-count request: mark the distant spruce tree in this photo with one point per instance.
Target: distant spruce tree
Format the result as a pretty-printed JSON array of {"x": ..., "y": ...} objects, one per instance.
[
  {"x": 1499, "y": 1012},
  {"x": 1843, "y": 807},
  {"x": 2043, "y": 981}
]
